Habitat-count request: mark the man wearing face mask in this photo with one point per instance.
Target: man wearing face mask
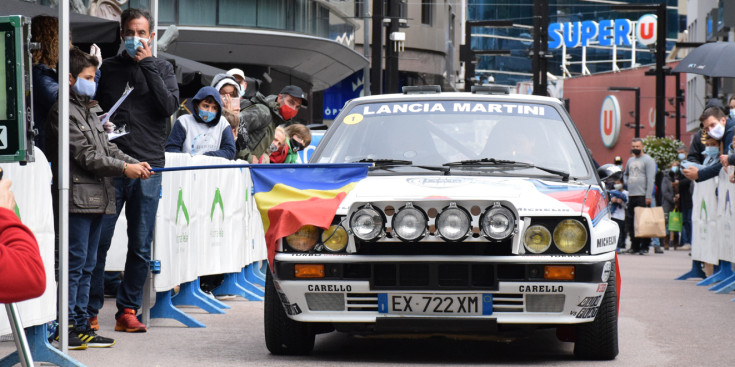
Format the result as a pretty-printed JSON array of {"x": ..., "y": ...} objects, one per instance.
[
  {"x": 93, "y": 160},
  {"x": 144, "y": 114},
  {"x": 640, "y": 176},
  {"x": 261, "y": 118},
  {"x": 722, "y": 129}
]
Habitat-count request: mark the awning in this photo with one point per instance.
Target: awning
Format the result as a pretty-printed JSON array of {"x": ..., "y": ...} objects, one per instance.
[
  {"x": 84, "y": 28},
  {"x": 188, "y": 71},
  {"x": 319, "y": 61}
]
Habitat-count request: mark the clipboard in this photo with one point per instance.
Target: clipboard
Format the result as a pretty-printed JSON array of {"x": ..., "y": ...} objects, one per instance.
[{"x": 117, "y": 104}]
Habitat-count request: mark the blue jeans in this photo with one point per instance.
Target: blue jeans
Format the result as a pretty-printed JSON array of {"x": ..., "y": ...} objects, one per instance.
[
  {"x": 686, "y": 227},
  {"x": 84, "y": 236},
  {"x": 141, "y": 199}
]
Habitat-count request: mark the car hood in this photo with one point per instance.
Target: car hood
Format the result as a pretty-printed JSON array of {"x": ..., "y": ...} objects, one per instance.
[{"x": 529, "y": 196}]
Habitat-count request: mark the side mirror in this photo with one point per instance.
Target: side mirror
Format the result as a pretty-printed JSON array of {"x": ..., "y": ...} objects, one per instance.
[{"x": 609, "y": 173}]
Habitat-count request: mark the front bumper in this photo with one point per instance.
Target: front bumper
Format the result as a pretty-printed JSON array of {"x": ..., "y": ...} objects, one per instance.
[{"x": 519, "y": 294}]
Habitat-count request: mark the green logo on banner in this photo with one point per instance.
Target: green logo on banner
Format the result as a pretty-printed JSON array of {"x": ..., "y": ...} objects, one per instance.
[
  {"x": 181, "y": 207},
  {"x": 703, "y": 209},
  {"x": 217, "y": 200},
  {"x": 17, "y": 211}
]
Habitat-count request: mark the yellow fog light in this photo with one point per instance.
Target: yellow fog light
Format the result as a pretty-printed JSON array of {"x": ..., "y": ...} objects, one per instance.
[
  {"x": 335, "y": 238},
  {"x": 304, "y": 239},
  {"x": 537, "y": 239},
  {"x": 570, "y": 236}
]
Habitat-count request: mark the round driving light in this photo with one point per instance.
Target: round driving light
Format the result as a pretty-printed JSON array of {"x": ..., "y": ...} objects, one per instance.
[
  {"x": 335, "y": 238},
  {"x": 497, "y": 222},
  {"x": 570, "y": 236},
  {"x": 409, "y": 223},
  {"x": 453, "y": 223},
  {"x": 304, "y": 239},
  {"x": 366, "y": 223},
  {"x": 537, "y": 239}
]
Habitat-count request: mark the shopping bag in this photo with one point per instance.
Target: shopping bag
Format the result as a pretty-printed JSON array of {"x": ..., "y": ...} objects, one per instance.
[
  {"x": 675, "y": 221},
  {"x": 649, "y": 222}
]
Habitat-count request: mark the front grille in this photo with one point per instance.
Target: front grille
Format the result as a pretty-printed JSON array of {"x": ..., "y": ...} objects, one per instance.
[
  {"x": 362, "y": 302},
  {"x": 502, "y": 302},
  {"x": 325, "y": 301},
  {"x": 441, "y": 276}
]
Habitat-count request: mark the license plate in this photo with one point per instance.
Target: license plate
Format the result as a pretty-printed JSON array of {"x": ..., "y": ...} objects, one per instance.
[{"x": 435, "y": 304}]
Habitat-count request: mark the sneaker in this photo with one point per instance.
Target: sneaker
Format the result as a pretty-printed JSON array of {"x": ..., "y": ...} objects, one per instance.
[
  {"x": 93, "y": 340},
  {"x": 93, "y": 324},
  {"x": 225, "y": 297},
  {"x": 685, "y": 247},
  {"x": 128, "y": 322},
  {"x": 658, "y": 250},
  {"x": 73, "y": 340}
]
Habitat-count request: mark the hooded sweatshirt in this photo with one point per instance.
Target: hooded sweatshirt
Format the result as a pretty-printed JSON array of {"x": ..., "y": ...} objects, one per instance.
[{"x": 190, "y": 134}]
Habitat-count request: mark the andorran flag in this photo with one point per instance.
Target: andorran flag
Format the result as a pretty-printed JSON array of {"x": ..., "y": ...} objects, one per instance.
[{"x": 290, "y": 196}]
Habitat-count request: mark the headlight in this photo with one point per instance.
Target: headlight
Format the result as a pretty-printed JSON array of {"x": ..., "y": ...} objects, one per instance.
[
  {"x": 453, "y": 223},
  {"x": 537, "y": 239},
  {"x": 335, "y": 238},
  {"x": 409, "y": 223},
  {"x": 304, "y": 239},
  {"x": 498, "y": 222},
  {"x": 570, "y": 236},
  {"x": 366, "y": 223}
]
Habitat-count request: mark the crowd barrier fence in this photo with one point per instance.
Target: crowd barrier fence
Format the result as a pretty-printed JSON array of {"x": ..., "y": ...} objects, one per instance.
[{"x": 713, "y": 227}]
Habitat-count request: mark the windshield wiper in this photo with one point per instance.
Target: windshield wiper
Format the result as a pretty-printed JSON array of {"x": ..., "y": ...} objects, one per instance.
[
  {"x": 480, "y": 162},
  {"x": 500, "y": 162},
  {"x": 384, "y": 163}
]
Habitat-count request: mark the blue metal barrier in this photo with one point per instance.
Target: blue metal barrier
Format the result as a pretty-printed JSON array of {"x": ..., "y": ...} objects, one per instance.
[
  {"x": 190, "y": 294},
  {"x": 722, "y": 271},
  {"x": 695, "y": 272},
  {"x": 164, "y": 309},
  {"x": 41, "y": 350}
]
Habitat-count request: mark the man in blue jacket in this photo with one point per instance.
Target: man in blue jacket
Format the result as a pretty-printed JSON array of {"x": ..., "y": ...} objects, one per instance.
[
  {"x": 721, "y": 128},
  {"x": 204, "y": 130},
  {"x": 144, "y": 114}
]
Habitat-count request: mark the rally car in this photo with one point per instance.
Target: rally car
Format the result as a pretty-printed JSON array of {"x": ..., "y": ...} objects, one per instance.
[{"x": 482, "y": 216}]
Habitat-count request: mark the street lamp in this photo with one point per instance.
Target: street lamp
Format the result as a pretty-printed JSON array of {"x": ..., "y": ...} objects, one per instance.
[{"x": 637, "y": 91}]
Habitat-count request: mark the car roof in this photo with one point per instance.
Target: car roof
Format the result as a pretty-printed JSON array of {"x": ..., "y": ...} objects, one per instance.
[{"x": 397, "y": 97}]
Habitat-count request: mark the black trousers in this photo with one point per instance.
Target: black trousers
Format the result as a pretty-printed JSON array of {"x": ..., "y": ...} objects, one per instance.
[{"x": 637, "y": 244}]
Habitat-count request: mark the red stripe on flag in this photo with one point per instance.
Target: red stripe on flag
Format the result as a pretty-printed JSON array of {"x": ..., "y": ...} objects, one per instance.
[{"x": 286, "y": 218}]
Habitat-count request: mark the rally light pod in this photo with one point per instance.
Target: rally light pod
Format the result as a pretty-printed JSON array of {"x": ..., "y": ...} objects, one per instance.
[
  {"x": 410, "y": 223},
  {"x": 367, "y": 223}
]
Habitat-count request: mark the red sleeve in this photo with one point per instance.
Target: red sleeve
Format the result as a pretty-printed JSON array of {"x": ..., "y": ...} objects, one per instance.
[{"x": 22, "y": 275}]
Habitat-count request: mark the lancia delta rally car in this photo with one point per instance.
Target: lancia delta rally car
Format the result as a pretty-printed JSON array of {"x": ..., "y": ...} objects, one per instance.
[{"x": 483, "y": 215}]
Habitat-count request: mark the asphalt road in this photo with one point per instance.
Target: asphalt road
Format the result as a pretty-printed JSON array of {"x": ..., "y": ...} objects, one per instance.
[{"x": 663, "y": 322}]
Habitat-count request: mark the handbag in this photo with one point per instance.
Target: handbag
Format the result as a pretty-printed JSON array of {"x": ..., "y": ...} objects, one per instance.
[
  {"x": 649, "y": 222},
  {"x": 675, "y": 221}
]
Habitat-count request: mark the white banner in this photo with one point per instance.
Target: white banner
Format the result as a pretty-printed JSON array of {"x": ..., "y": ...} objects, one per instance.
[
  {"x": 206, "y": 223},
  {"x": 32, "y": 190},
  {"x": 725, "y": 217},
  {"x": 705, "y": 242}
]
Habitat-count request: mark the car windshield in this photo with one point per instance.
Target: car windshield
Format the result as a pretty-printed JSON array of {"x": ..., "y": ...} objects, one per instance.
[{"x": 438, "y": 132}]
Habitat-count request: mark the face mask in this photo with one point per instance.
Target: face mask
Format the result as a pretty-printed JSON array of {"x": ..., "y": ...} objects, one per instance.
[
  {"x": 272, "y": 148},
  {"x": 206, "y": 116},
  {"x": 287, "y": 112},
  {"x": 675, "y": 169},
  {"x": 296, "y": 146},
  {"x": 635, "y": 151},
  {"x": 711, "y": 151},
  {"x": 84, "y": 87},
  {"x": 132, "y": 43},
  {"x": 618, "y": 187},
  {"x": 717, "y": 132},
  {"x": 681, "y": 156},
  {"x": 242, "y": 91}
]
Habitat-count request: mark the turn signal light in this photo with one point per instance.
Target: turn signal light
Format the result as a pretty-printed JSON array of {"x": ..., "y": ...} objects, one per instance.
[
  {"x": 308, "y": 271},
  {"x": 559, "y": 272}
]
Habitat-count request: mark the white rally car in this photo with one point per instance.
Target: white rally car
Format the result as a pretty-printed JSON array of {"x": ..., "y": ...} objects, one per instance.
[{"x": 483, "y": 215}]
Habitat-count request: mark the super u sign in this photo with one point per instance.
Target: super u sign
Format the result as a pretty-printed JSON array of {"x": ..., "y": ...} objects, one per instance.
[
  {"x": 610, "y": 121},
  {"x": 608, "y": 32}
]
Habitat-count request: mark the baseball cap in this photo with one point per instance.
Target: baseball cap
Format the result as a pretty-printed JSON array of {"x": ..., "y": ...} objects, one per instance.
[
  {"x": 236, "y": 72},
  {"x": 618, "y": 160},
  {"x": 297, "y": 92}
]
